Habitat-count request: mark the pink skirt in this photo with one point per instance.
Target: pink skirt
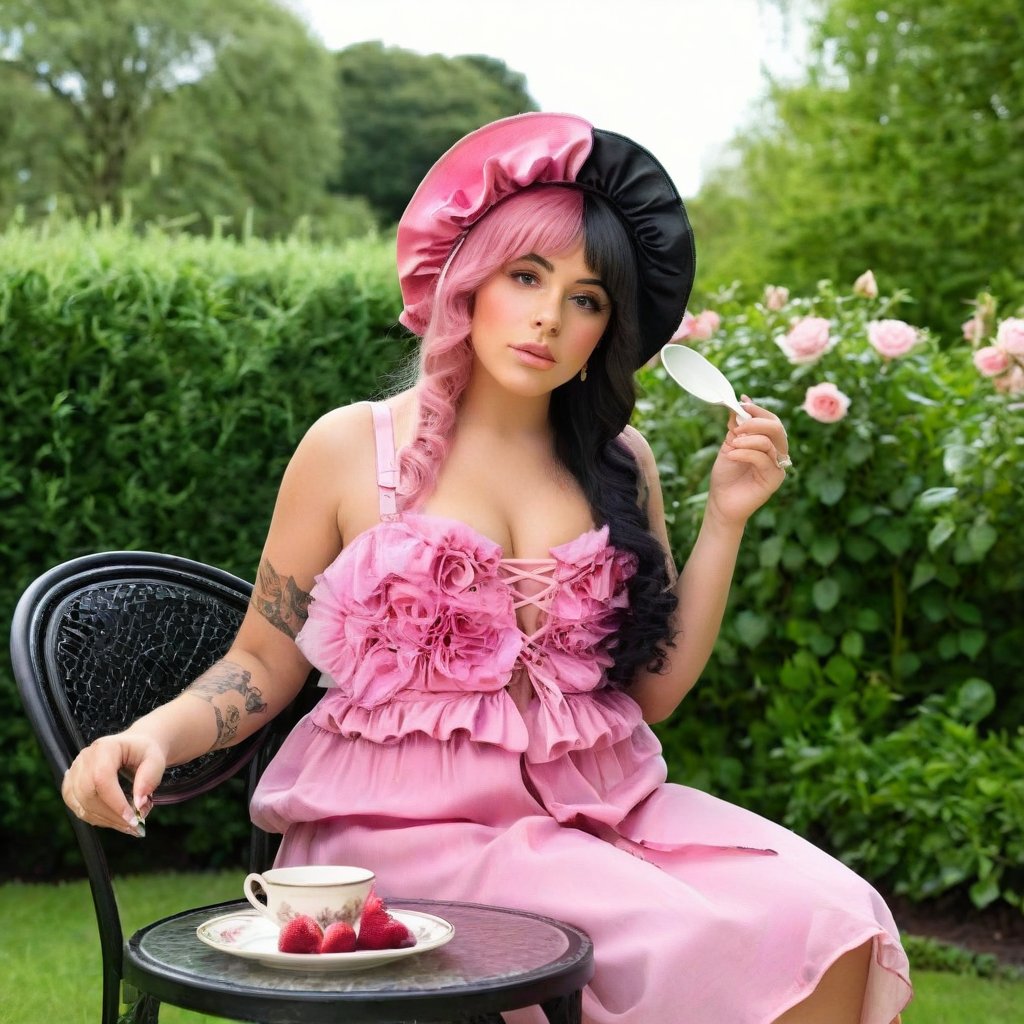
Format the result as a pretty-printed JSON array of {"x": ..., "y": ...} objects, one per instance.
[{"x": 701, "y": 912}]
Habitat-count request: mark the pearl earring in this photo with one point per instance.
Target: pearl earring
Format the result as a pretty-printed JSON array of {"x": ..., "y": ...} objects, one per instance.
[{"x": 583, "y": 372}]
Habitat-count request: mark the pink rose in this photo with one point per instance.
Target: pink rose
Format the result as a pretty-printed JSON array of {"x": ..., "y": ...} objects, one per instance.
[
  {"x": 892, "y": 338},
  {"x": 974, "y": 329},
  {"x": 807, "y": 340},
  {"x": 1010, "y": 336},
  {"x": 775, "y": 297},
  {"x": 1012, "y": 383},
  {"x": 991, "y": 361},
  {"x": 685, "y": 328},
  {"x": 705, "y": 324},
  {"x": 825, "y": 403},
  {"x": 865, "y": 286}
]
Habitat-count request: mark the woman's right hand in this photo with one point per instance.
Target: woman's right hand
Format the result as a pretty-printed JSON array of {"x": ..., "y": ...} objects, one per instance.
[{"x": 92, "y": 788}]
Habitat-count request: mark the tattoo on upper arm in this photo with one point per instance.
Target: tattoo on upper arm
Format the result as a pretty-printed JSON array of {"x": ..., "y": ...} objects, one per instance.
[
  {"x": 226, "y": 677},
  {"x": 280, "y": 600}
]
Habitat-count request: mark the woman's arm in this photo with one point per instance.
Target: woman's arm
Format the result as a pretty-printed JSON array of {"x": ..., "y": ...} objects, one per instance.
[
  {"x": 263, "y": 670},
  {"x": 744, "y": 476}
]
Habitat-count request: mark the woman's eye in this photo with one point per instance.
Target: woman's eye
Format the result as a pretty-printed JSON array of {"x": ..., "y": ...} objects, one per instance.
[
  {"x": 524, "y": 276},
  {"x": 588, "y": 302}
]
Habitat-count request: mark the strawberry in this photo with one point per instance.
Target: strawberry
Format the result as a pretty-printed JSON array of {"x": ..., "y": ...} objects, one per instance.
[
  {"x": 379, "y": 930},
  {"x": 340, "y": 937},
  {"x": 300, "y": 935}
]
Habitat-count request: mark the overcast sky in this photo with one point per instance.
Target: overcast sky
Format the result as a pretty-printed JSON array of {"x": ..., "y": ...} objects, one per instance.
[{"x": 677, "y": 76}]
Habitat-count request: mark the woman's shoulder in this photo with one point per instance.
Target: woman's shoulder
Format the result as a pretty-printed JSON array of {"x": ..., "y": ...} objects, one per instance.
[
  {"x": 349, "y": 425},
  {"x": 338, "y": 434}
]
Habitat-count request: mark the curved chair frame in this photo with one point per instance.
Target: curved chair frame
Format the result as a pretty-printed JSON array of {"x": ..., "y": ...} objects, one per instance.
[{"x": 81, "y": 636}]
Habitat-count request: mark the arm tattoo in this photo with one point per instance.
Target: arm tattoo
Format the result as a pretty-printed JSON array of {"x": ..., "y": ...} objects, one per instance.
[
  {"x": 227, "y": 726},
  {"x": 280, "y": 600},
  {"x": 225, "y": 677}
]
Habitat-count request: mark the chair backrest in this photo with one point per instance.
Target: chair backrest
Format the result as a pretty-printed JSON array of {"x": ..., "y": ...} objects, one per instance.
[{"x": 99, "y": 641}]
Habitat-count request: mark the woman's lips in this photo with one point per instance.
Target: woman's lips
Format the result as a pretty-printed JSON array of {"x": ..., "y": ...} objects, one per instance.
[{"x": 534, "y": 355}]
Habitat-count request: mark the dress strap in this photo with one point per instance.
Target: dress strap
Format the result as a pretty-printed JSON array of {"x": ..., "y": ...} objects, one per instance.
[{"x": 387, "y": 462}]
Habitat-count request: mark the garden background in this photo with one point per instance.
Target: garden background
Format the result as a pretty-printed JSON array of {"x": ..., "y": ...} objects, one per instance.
[{"x": 194, "y": 267}]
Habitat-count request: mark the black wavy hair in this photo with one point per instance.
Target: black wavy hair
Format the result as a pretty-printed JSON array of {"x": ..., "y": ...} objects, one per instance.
[{"x": 588, "y": 418}]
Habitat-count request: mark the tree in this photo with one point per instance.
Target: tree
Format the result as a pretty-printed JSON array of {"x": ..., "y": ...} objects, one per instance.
[
  {"x": 903, "y": 150},
  {"x": 207, "y": 108},
  {"x": 400, "y": 110}
]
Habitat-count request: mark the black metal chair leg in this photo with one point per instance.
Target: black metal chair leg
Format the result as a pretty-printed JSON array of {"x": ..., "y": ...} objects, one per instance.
[
  {"x": 565, "y": 1009},
  {"x": 139, "y": 1008}
]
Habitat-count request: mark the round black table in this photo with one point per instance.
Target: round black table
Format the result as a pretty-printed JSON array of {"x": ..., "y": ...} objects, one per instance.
[{"x": 499, "y": 959}]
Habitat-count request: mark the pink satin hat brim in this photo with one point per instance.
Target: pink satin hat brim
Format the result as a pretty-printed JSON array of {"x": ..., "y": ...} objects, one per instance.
[{"x": 479, "y": 171}]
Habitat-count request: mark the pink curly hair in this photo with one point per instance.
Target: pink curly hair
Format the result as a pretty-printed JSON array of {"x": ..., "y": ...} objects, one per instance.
[{"x": 545, "y": 220}]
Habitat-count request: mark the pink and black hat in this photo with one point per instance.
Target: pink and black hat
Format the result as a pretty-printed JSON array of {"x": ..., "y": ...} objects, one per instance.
[{"x": 503, "y": 158}]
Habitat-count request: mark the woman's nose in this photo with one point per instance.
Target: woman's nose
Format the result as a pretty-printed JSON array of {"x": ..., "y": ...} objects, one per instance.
[{"x": 547, "y": 319}]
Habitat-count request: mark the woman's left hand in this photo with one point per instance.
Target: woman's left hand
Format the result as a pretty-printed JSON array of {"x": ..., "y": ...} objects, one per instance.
[{"x": 750, "y": 465}]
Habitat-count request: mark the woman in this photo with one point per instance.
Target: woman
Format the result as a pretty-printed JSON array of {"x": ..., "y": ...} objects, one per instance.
[{"x": 479, "y": 566}]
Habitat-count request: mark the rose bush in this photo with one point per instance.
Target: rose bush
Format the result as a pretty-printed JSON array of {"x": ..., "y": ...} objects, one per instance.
[{"x": 888, "y": 569}]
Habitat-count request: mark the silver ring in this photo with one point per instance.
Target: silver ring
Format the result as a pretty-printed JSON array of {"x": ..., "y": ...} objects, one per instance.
[{"x": 783, "y": 462}]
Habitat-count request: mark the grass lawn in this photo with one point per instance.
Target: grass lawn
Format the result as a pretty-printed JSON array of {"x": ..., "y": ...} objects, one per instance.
[{"x": 50, "y": 964}]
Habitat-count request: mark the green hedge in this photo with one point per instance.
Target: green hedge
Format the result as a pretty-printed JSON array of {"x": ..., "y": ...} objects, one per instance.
[
  {"x": 153, "y": 390},
  {"x": 866, "y": 685}
]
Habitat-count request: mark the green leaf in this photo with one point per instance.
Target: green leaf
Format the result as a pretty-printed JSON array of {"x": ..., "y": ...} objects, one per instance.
[
  {"x": 860, "y": 549},
  {"x": 868, "y": 620},
  {"x": 972, "y": 641},
  {"x": 936, "y": 496},
  {"x": 852, "y": 644},
  {"x": 825, "y": 549},
  {"x": 752, "y": 628},
  {"x": 981, "y": 536},
  {"x": 832, "y": 491},
  {"x": 840, "y": 670},
  {"x": 983, "y": 892},
  {"x": 793, "y": 556},
  {"x": 826, "y": 594},
  {"x": 769, "y": 551},
  {"x": 859, "y": 514},
  {"x": 940, "y": 533},
  {"x": 948, "y": 647},
  {"x": 956, "y": 458},
  {"x": 975, "y": 700},
  {"x": 924, "y": 572},
  {"x": 907, "y": 663},
  {"x": 934, "y": 604},
  {"x": 967, "y": 612},
  {"x": 894, "y": 536},
  {"x": 858, "y": 450}
]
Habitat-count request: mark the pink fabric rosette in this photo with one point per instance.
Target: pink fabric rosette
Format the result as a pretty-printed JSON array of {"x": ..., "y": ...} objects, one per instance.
[{"x": 447, "y": 623}]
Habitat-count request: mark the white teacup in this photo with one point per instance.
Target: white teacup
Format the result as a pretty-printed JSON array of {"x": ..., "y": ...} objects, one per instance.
[{"x": 326, "y": 893}]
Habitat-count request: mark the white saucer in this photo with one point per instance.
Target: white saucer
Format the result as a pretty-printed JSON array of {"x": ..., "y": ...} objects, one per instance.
[{"x": 250, "y": 935}]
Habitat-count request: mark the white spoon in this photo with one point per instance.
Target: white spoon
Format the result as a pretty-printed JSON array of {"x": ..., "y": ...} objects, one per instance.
[{"x": 692, "y": 372}]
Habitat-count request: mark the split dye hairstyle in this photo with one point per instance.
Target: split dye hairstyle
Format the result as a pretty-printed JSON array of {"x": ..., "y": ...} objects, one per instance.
[{"x": 588, "y": 417}]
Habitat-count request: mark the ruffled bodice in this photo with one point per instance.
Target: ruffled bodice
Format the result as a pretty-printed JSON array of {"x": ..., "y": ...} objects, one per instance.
[{"x": 421, "y": 626}]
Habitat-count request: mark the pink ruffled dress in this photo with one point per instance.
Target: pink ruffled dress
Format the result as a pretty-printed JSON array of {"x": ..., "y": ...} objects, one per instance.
[{"x": 468, "y": 747}]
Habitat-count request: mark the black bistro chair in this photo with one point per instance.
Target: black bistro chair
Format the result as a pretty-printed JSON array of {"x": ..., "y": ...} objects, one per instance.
[{"x": 102, "y": 639}]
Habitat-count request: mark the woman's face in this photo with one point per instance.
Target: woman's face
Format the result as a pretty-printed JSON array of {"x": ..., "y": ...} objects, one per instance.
[{"x": 537, "y": 320}]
